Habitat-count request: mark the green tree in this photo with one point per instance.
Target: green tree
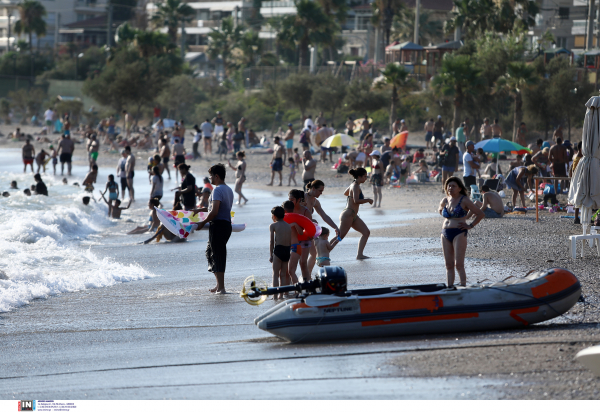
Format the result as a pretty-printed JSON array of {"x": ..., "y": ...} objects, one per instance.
[
  {"x": 330, "y": 95},
  {"x": 5, "y": 110},
  {"x": 180, "y": 96},
  {"x": 383, "y": 15},
  {"x": 519, "y": 76},
  {"x": 472, "y": 17},
  {"x": 169, "y": 14},
  {"x": 361, "y": 98},
  {"x": 458, "y": 77},
  {"x": 130, "y": 81},
  {"x": 31, "y": 20},
  {"x": 297, "y": 91},
  {"x": 27, "y": 102},
  {"x": 92, "y": 62},
  {"x": 223, "y": 41},
  {"x": 309, "y": 26},
  {"x": 396, "y": 77},
  {"x": 251, "y": 46},
  {"x": 403, "y": 27}
]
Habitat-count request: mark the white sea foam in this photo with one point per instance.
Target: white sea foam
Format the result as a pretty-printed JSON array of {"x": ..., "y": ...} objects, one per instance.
[{"x": 39, "y": 244}]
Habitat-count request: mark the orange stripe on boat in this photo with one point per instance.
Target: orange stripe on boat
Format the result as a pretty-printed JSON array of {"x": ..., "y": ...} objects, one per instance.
[
  {"x": 515, "y": 314},
  {"x": 378, "y": 305},
  {"x": 555, "y": 282},
  {"x": 421, "y": 319}
]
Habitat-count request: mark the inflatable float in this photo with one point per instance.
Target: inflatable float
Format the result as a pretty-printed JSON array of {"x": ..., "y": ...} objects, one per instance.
[
  {"x": 590, "y": 358},
  {"x": 311, "y": 229},
  {"x": 324, "y": 309},
  {"x": 183, "y": 222}
]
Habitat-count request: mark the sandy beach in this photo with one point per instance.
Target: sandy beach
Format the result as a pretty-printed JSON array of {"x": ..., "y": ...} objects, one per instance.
[{"x": 162, "y": 335}]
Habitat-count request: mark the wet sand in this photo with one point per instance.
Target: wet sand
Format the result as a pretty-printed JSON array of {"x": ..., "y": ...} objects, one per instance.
[{"x": 168, "y": 337}]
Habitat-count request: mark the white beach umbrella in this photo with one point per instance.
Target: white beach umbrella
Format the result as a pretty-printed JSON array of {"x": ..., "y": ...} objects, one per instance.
[{"x": 585, "y": 185}]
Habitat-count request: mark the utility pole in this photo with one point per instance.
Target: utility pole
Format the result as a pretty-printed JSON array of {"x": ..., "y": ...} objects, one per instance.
[
  {"x": 235, "y": 16},
  {"x": 109, "y": 25},
  {"x": 182, "y": 38},
  {"x": 590, "y": 27},
  {"x": 56, "y": 34},
  {"x": 417, "y": 21},
  {"x": 8, "y": 38}
]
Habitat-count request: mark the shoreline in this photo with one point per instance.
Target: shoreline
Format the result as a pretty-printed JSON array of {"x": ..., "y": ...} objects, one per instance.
[{"x": 536, "y": 363}]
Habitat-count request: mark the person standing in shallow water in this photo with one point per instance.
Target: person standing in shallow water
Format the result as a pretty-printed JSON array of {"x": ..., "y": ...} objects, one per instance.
[
  {"x": 219, "y": 231},
  {"x": 456, "y": 207},
  {"x": 349, "y": 217}
]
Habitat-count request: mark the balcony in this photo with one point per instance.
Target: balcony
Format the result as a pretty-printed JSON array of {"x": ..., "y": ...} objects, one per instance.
[
  {"x": 90, "y": 6},
  {"x": 204, "y": 23}
]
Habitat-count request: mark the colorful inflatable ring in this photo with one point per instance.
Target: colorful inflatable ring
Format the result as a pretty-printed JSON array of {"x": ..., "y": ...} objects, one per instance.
[{"x": 310, "y": 229}]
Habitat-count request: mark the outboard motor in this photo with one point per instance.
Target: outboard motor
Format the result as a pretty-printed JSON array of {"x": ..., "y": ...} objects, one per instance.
[{"x": 331, "y": 280}]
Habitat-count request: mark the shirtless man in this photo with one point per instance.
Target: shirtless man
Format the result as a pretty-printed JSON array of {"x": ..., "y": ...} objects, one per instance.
[
  {"x": 558, "y": 133},
  {"x": 129, "y": 168},
  {"x": 486, "y": 129},
  {"x": 558, "y": 158},
  {"x": 428, "y": 128},
  {"x": 40, "y": 159},
  {"x": 127, "y": 124},
  {"x": 350, "y": 127},
  {"x": 93, "y": 147},
  {"x": 289, "y": 140},
  {"x": 313, "y": 190},
  {"x": 65, "y": 151},
  {"x": 403, "y": 126},
  {"x": 492, "y": 205},
  {"x": 309, "y": 164},
  {"x": 320, "y": 120},
  {"x": 396, "y": 127},
  {"x": 28, "y": 152},
  {"x": 385, "y": 147},
  {"x": 496, "y": 130},
  {"x": 536, "y": 147},
  {"x": 277, "y": 161},
  {"x": 165, "y": 153},
  {"x": 90, "y": 179},
  {"x": 179, "y": 153},
  {"x": 322, "y": 134}
]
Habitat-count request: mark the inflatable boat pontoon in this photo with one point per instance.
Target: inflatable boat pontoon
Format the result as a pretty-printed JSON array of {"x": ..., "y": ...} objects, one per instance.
[{"x": 324, "y": 309}]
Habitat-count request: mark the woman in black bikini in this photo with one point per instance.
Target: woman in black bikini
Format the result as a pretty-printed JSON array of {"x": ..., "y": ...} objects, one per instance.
[
  {"x": 455, "y": 208},
  {"x": 349, "y": 216},
  {"x": 240, "y": 176}
]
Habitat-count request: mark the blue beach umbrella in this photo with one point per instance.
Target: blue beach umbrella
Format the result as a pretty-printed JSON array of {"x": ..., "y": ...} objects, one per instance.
[{"x": 498, "y": 145}]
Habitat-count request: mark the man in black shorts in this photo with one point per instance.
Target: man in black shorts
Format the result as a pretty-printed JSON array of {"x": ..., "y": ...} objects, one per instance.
[
  {"x": 65, "y": 150},
  {"x": 219, "y": 231}
]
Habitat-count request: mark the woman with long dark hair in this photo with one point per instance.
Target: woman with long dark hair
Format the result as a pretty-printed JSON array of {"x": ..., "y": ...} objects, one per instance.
[
  {"x": 349, "y": 217},
  {"x": 456, "y": 207}
]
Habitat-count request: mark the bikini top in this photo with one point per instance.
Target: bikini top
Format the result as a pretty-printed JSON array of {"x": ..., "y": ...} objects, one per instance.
[{"x": 458, "y": 211}]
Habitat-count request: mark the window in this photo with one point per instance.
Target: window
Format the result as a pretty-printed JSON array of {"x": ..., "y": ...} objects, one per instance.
[
  {"x": 563, "y": 13},
  {"x": 561, "y": 42},
  {"x": 579, "y": 42},
  {"x": 363, "y": 23},
  {"x": 354, "y": 51},
  {"x": 51, "y": 19},
  {"x": 203, "y": 14}
]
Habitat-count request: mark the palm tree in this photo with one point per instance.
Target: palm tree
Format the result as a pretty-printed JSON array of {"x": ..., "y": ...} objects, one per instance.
[
  {"x": 519, "y": 76},
  {"x": 310, "y": 25},
  {"x": 251, "y": 46},
  {"x": 170, "y": 14},
  {"x": 223, "y": 41},
  {"x": 458, "y": 77},
  {"x": 31, "y": 20},
  {"x": 403, "y": 27},
  {"x": 338, "y": 7},
  {"x": 383, "y": 15},
  {"x": 396, "y": 76},
  {"x": 472, "y": 17}
]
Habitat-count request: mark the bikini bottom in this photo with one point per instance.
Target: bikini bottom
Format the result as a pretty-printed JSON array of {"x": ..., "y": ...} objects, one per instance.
[{"x": 450, "y": 234}]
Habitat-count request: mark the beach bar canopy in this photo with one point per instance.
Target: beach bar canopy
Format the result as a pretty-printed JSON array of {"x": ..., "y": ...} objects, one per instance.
[{"x": 404, "y": 53}]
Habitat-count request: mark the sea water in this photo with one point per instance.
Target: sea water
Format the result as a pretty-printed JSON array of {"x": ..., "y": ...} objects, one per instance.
[{"x": 41, "y": 251}]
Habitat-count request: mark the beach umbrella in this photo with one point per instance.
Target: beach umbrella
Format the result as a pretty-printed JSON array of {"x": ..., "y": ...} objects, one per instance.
[
  {"x": 498, "y": 145},
  {"x": 399, "y": 140},
  {"x": 338, "y": 140},
  {"x": 585, "y": 184}
]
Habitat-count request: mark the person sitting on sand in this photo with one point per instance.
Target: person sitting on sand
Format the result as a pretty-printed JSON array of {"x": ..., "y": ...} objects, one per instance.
[
  {"x": 455, "y": 207},
  {"x": 492, "y": 206},
  {"x": 153, "y": 220},
  {"x": 423, "y": 168},
  {"x": 279, "y": 246},
  {"x": 323, "y": 246},
  {"x": 114, "y": 210},
  {"x": 40, "y": 186}
]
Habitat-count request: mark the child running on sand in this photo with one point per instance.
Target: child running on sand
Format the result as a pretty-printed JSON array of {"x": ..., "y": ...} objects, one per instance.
[
  {"x": 323, "y": 248},
  {"x": 281, "y": 237},
  {"x": 288, "y": 207},
  {"x": 292, "y": 166}
]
